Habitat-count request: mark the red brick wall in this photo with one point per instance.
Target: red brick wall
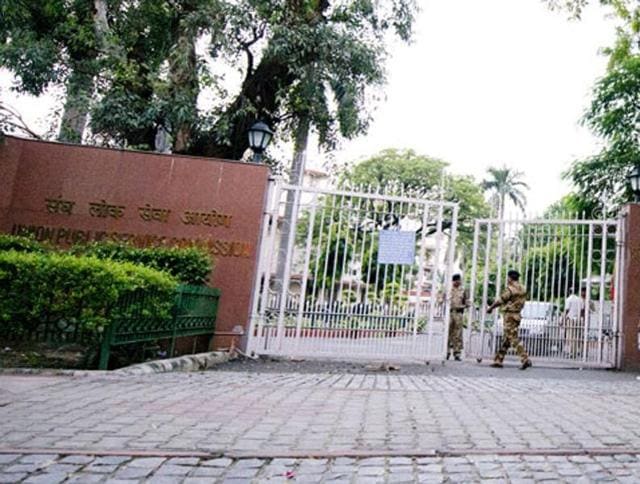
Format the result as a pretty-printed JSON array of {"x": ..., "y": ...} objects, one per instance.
[
  {"x": 631, "y": 293},
  {"x": 33, "y": 172}
]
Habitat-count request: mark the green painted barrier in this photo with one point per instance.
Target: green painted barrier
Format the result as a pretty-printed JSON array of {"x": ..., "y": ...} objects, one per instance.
[{"x": 193, "y": 314}]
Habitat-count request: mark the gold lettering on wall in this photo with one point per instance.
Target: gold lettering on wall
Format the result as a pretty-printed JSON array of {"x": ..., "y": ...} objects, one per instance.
[
  {"x": 210, "y": 219},
  {"x": 58, "y": 205},
  {"x": 151, "y": 214},
  {"x": 102, "y": 209},
  {"x": 70, "y": 236}
]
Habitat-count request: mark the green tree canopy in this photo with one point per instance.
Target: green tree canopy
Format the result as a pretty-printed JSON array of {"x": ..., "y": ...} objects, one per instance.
[
  {"x": 600, "y": 180},
  {"x": 614, "y": 115},
  {"x": 136, "y": 69},
  {"x": 420, "y": 176}
]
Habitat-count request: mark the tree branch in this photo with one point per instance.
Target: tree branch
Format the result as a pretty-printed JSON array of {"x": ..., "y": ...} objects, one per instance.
[{"x": 9, "y": 116}]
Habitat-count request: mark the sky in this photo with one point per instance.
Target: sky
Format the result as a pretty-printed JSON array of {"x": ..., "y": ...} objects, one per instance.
[
  {"x": 494, "y": 82},
  {"x": 485, "y": 83}
]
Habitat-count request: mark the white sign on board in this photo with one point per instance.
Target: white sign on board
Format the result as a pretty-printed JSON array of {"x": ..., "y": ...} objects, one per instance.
[{"x": 396, "y": 247}]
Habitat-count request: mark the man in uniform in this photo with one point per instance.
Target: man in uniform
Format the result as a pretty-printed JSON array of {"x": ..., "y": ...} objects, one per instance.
[
  {"x": 512, "y": 299},
  {"x": 458, "y": 302}
]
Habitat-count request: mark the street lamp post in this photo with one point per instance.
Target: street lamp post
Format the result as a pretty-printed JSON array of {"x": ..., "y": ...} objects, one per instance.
[
  {"x": 259, "y": 138},
  {"x": 634, "y": 181}
]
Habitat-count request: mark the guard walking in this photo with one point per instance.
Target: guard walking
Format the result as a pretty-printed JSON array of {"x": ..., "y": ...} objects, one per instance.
[
  {"x": 458, "y": 301},
  {"x": 512, "y": 301}
]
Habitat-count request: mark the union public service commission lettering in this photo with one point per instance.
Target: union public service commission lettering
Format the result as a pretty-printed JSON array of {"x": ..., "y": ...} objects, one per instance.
[
  {"x": 102, "y": 209},
  {"x": 58, "y": 205},
  {"x": 150, "y": 214},
  {"x": 210, "y": 219},
  {"x": 69, "y": 236}
]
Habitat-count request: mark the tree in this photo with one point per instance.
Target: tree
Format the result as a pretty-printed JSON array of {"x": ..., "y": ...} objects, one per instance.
[
  {"x": 505, "y": 184},
  {"x": 600, "y": 180},
  {"x": 613, "y": 115},
  {"x": 346, "y": 229},
  {"x": 419, "y": 176},
  {"x": 303, "y": 61},
  {"x": 11, "y": 122},
  {"x": 53, "y": 42},
  {"x": 621, "y": 8}
]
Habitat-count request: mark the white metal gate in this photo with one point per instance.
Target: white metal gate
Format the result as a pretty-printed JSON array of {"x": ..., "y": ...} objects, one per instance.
[
  {"x": 566, "y": 267},
  {"x": 348, "y": 274}
]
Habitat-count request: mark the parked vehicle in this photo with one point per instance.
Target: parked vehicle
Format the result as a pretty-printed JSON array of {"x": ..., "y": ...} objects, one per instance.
[{"x": 537, "y": 317}]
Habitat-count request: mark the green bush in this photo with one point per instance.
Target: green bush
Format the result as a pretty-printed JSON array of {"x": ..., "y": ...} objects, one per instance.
[
  {"x": 52, "y": 291},
  {"x": 190, "y": 265},
  {"x": 21, "y": 244}
]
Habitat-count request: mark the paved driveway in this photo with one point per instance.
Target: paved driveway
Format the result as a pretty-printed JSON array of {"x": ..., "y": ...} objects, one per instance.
[
  {"x": 323, "y": 414},
  {"x": 266, "y": 412}
]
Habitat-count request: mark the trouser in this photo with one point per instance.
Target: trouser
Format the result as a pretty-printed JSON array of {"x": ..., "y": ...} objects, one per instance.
[
  {"x": 574, "y": 336},
  {"x": 455, "y": 332},
  {"x": 510, "y": 338}
]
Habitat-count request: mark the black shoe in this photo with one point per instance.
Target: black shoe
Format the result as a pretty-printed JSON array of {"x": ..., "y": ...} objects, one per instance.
[
  {"x": 526, "y": 364},
  {"x": 457, "y": 358},
  {"x": 496, "y": 364}
]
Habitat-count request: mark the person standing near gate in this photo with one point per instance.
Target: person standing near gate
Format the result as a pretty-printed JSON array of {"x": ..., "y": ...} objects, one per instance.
[
  {"x": 458, "y": 302},
  {"x": 512, "y": 300},
  {"x": 574, "y": 317}
]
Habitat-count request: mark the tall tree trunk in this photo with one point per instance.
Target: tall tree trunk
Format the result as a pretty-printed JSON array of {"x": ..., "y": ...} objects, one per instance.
[
  {"x": 80, "y": 85},
  {"x": 107, "y": 43},
  {"x": 100, "y": 21},
  {"x": 76, "y": 106},
  {"x": 295, "y": 178},
  {"x": 260, "y": 90},
  {"x": 183, "y": 88}
]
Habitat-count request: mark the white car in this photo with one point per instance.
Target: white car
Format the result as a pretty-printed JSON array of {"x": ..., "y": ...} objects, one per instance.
[{"x": 536, "y": 317}]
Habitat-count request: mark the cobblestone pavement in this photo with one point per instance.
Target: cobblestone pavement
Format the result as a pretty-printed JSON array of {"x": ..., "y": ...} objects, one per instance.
[
  {"x": 457, "y": 410},
  {"x": 38, "y": 468}
]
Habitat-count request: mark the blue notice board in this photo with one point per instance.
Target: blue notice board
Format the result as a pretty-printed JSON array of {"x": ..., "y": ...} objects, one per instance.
[{"x": 397, "y": 247}]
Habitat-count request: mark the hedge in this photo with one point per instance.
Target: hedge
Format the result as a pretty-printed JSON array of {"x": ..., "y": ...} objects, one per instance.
[
  {"x": 21, "y": 244},
  {"x": 189, "y": 265},
  {"x": 45, "y": 290}
]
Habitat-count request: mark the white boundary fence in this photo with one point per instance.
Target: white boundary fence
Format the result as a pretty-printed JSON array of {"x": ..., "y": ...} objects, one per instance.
[
  {"x": 328, "y": 287},
  {"x": 555, "y": 258}
]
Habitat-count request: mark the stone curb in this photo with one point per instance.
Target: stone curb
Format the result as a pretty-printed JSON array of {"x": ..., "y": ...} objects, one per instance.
[{"x": 197, "y": 362}]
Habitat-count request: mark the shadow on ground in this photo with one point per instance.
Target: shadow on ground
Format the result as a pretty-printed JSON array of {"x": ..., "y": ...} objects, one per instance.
[{"x": 449, "y": 368}]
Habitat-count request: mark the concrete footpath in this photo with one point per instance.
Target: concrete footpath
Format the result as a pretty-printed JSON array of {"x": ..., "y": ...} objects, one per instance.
[{"x": 321, "y": 422}]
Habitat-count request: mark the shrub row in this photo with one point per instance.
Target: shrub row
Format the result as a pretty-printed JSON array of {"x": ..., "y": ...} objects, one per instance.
[
  {"x": 21, "y": 244},
  {"x": 189, "y": 265},
  {"x": 54, "y": 291}
]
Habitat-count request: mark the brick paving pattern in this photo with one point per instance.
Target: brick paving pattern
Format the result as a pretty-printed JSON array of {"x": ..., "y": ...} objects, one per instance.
[
  {"x": 253, "y": 416},
  {"x": 47, "y": 468}
]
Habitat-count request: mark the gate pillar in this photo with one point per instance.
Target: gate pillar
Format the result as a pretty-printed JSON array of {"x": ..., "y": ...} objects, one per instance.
[{"x": 630, "y": 290}]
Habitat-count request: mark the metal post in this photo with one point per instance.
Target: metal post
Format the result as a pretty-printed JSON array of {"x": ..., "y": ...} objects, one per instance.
[
  {"x": 420, "y": 277},
  {"x": 448, "y": 276},
  {"x": 259, "y": 299},
  {"x": 485, "y": 290},
  {"x": 287, "y": 267},
  {"x": 434, "y": 276},
  {"x": 105, "y": 345},
  {"x": 472, "y": 289},
  {"x": 305, "y": 275},
  {"x": 587, "y": 302},
  {"x": 603, "y": 267}
]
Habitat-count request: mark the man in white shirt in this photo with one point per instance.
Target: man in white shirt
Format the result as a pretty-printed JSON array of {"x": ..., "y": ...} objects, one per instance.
[
  {"x": 573, "y": 310},
  {"x": 575, "y": 320}
]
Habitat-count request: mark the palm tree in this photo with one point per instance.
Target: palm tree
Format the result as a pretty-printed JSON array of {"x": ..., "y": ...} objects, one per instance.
[{"x": 505, "y": 184}]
